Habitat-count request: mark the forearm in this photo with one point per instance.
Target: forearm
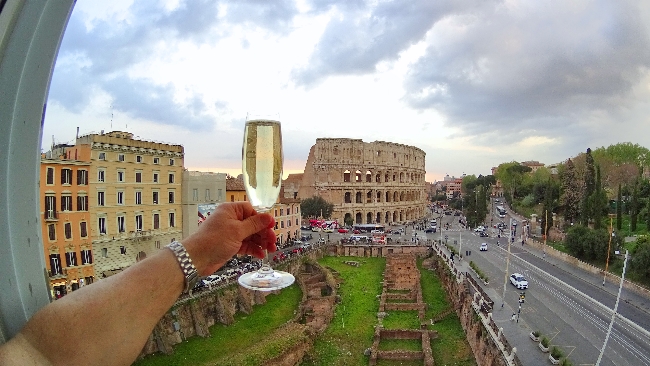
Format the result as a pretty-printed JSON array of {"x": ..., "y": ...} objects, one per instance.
[{"x": 109, "y": 321}]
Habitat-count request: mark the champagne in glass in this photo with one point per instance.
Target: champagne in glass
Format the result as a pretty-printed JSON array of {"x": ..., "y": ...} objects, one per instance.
[{"x": 262, "y": 171}]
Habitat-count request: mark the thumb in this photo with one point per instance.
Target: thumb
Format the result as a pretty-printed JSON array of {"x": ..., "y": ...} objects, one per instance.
[{"x": 257, "y": 223}]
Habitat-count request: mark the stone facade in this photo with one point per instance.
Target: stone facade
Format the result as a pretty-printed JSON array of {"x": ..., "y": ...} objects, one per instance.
[{"x": 368, "y": 182}]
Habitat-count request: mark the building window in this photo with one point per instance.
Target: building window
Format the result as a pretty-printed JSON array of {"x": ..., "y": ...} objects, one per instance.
[
  {"x": 156, "y": 221},
  {"x": 86, "y": 256},
  {"x": 281, "y": 224},
  {"x": 101, "y": 225},
  {"x": 51, "y": 232},
  {"x": 100, "y": 198},
  {"x": 66, "y": 176},
  {"x": 157, "y": 243},
  {"x": 172, "y": 220},
  {"x": 282, "y": 212},
  {"x": 171, "y": 196},
  {"x": 50, "y": 176},
  {"x": 102, "y": 156},
  {"x": 123, "y": 250},
  {"x": 105, "y": 252},
  {"x": 82, "y": 177},
  {"x": 120, "y": 175},
  {"x": 66, "y": 203},
  {"x": 138, "y": 222},
  {"x": 171, "y": 161},
  {"x": 121, "y": 226},
  {"x": 232, "y": 198},
  {"x": 138, "y": 197},
  {"x": 138, "y": 158},
  {"x": 207, "y": 194},
  {"x": 156, "y": 160},
  {"x": 83, "y": 229},
  {"x": 50, "y": 207},
  {"x": 155, "y": 197},
  {"x": 55, "y": 264},
  {"x": 171, "y": 177},
  {"x": 138, "y": 177},
  {"x": 70, "y": 259},
  {"x": 120, "y": 197},
  {"x": 195, "y": 194},
  {"x": 67, "y": 229},
  {"x": 82, "y": 203},
  {"x": 120, "y": 157},
  {"x": 101, "y": 174},
  {"x": 155, "y": 177}
]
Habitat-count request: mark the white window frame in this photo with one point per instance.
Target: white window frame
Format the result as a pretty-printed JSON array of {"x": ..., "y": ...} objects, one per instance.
[
  {"x": 121, "y": 224},
  {"x": 101, "y": 175},
  {"x": 138, "y": 197},
  {"x": 101, "y": 198},
  {"x": 119, "y": 197}
]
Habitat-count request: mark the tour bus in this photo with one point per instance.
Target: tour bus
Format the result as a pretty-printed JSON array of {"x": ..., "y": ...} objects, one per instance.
[
  {"x": 367, "y": 228},
  {"x": 501, "y": 211}
]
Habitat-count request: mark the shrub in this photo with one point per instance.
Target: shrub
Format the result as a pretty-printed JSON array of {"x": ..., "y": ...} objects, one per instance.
[
  {"x": 556, "y": 353},
  {"x": 536, "y": 333},
  {"x": 565, "y": 362},
  {"x": 545, "y": 341}
]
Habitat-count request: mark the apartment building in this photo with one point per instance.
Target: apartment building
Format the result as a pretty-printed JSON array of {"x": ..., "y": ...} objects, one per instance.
[
  {"x": 287, "y": 219},
  {"x": 134, "y": 198},
  {"x": 201, "y": 193},
  {"x": 66, "y": 229}
]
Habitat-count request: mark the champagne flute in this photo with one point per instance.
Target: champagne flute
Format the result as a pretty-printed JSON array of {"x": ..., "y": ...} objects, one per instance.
[{"x": 262, "y": 171}]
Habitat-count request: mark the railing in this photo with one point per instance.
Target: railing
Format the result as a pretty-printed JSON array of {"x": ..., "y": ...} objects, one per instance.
[
  {"x": 62, "y": 274},
  {"x": 51, "y": 215}
]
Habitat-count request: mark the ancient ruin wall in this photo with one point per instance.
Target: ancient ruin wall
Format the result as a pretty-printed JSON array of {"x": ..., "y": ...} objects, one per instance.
[{"x": 368, "y": 182}]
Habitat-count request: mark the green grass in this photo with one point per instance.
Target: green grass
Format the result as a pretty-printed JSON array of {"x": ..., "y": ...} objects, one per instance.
[
  {"x": 401, "y": 344},
  {"x": 402, "y": 320},
  {"x": 451, "y": 347},
  {"x": 352, "y": 328},
  {"x": 228, "y": 341}
]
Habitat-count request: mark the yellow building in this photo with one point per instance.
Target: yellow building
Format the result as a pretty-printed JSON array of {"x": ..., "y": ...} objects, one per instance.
[
  {"x": 134, "y": 195},
  {"x": 286, "y": 211},
  {"x": 65, "y": 223}
]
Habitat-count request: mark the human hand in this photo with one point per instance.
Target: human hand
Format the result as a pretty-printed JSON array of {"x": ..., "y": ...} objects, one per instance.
[{"x": 233, "y": 228}]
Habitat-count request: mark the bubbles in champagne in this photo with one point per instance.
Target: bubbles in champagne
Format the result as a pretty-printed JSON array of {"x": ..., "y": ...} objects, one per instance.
[{"x": 262, "y": 162}]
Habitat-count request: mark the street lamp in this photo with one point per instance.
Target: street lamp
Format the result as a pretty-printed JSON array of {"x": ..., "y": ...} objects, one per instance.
[{"x": 609, "y": 246}]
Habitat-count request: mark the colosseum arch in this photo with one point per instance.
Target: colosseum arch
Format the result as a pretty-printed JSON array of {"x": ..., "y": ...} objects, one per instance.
[
  {"x": 369, "y": 197},
  {"x": 378, "y": 219},
  {"x": 357, "y": 176},
  {"x": 358, "y": 198},
  {"x": 368, "y": 176},
  {"x": 395, "y": 196},
  {"x": 358, "y": 218},
  {"x": 346, "y": 176},
  {"x": 348, "y": 197},
  {"x": 369, "y": 218},
  {"x": 401, "y": 177},
  {"x": 378, "y": 196},
  {"x": 378, "y": 178}
]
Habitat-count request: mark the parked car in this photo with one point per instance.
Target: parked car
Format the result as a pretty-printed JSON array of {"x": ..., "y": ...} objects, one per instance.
[
  {"x": 355, "y": 231},
  {"x": 343, "y": 230},
  {"x": 328, "y": 230},
  {"x": 483, "y": 247},
  {"x": 315, "y": 228},
  {"x": 479, "y": 229},
  {"x": 483, "y": 234},
  {"x": 518, "y": 281},
  {"x": 430, "y": 230}
]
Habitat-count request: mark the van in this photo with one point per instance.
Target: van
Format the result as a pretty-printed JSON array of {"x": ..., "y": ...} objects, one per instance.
[{"x": 358, "y": 237}]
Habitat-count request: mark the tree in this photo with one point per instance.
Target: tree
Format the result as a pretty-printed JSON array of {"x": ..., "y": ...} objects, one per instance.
[
  {"x": 598, "y": 201},
  {"x": 634, "y": 206},
  {"x": 590, "y": 186},
  {"x": 619, "y": 209},
  {"x": 549, "y": 206},
  {"x": 574, "y": 238},
  {"x": 316, "y": 206},
  {"x": 570, "y": 192},
  {"x": 640, "y": 259}
]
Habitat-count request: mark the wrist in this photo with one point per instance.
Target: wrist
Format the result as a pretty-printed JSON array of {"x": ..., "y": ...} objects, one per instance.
[{"x": 186, "y": 265}]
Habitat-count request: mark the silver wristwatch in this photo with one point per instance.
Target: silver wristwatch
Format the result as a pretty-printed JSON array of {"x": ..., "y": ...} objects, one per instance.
[{"x": 184, "y": 260}]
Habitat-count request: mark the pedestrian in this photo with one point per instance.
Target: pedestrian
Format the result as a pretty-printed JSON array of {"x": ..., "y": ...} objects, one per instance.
[{"x": 452, "y": 256}]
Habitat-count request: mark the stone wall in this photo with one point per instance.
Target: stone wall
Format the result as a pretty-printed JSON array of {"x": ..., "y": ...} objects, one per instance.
[
  {"x": 362, "y": 250},
  {"x": 193, "y": 316}
]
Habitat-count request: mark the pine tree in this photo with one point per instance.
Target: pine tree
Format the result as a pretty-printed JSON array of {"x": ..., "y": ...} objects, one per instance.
[
  {"x": 634, "y": 206},
  {"x": 548, "y": 208},
  {"x": 590, "y": 186},
  {"x": 598, "y": 201},
  {"x": 571, "y": 193}
]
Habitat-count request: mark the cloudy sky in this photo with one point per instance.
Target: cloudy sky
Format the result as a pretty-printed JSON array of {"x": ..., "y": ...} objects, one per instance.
[{"x": 473, "y": 83}]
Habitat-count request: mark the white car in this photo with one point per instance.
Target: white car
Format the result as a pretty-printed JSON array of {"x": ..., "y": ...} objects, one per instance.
[
  {"x": 479, "y": 229},
  {"x": 483, "y": 247},
  {"x": 518, "y": 281}
]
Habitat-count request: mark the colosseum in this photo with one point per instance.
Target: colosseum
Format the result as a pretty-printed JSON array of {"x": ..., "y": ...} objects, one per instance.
[{"x": 368, "y": 182}]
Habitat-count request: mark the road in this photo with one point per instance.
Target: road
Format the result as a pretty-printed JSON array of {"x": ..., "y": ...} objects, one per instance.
[{"x": 565, "y": 304}]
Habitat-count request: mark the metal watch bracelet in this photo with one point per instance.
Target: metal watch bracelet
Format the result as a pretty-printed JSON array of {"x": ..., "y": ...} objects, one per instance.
[{"x": 184, "y": 260}]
